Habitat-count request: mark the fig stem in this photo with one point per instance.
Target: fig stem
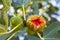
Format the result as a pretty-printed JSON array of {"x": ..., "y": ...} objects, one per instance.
[
  {"x": 24, "y": 12},
  {"x": 41, "y": 38}
]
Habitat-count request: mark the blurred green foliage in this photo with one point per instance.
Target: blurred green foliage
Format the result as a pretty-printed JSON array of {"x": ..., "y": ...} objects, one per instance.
[{"x": 51, "y": 32}]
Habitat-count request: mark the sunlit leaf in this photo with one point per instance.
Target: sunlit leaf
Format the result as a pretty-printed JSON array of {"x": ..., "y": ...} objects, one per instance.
[
  {"x": 2, "y": 30},
  {"x": 3, "y": 21},
  {"x": 6, "y": 3}
]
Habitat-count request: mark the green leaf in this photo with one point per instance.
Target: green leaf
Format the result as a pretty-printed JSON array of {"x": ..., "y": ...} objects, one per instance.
[
  {"x": 19, "y": 3},
  {"x": 15, "y": 21},
  {"x": 52, "y": 31},
  {"x": 33, "y": 37},
  {"x": 52, "y": 9},
  {"x": 35, "y": 8},
  {"x": 3, "y": 16},
  {"x": 3, "y": 21},
  {"x": 15, "y": 38},
  {"x": 2, "y": 30},
  {"x": 6, "y": 4},
  {"x": 5, "y": 36}
]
